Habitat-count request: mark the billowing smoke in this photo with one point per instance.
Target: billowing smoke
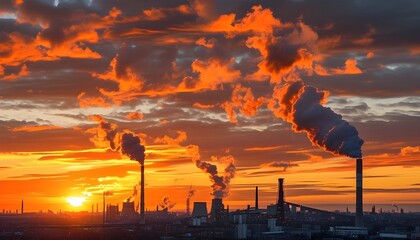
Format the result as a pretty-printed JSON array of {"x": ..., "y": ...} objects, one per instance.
[
  {"x": 301, "y": 106},
  {"x": 133, "y": 194},
  {"x": 130, "y": 146},
  {"x": 167, "y": 204},
  {"x": 220, "y": 182},
  {"x": 128, "y": 143}
]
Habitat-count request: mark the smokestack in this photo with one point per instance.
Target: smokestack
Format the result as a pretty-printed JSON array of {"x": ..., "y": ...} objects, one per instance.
[
  {"x": 188, "y": 206},
  {"x": 256, "y": 198},
  {"x": 103, "y": 209},
  {"x": 280, "y": 202},
  {"x": 142, "y": 220},
  {"x": 359, "y": 192},
  {"x": 21, "y": 210}
]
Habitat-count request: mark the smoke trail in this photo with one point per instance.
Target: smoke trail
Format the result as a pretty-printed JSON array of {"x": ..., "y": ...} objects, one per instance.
[
  {"x": 220, "y": 183},
  {"x": 126, "y": 142},
  {"x": 167, "y": 204},
  {"x": 191, "y": 192},
  {"x": 301, "y": 106},
  {"x": 133, "y": 194}
]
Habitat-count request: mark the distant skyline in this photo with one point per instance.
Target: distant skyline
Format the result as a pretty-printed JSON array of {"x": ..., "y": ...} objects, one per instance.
[{"x": 235, "y": 84}]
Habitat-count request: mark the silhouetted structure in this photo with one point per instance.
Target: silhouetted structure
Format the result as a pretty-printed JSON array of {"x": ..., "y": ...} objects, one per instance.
[
  {"x": 142, "y": 220},
  {"x": 280, "y": 202},
  {"x": 217, "y": 208},
  {"x": 359, "y": 193},
  {"x": 199, "y": 209},
  {"x": 128, "y": 213},
  {"x": 256, "y": 198}
]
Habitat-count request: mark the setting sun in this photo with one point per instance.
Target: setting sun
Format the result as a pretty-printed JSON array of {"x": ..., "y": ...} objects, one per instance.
[{"x": 76, "y": 201}]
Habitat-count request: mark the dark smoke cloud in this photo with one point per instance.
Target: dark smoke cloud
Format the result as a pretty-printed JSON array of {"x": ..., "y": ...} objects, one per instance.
[
  {"x": 126, "y": 142},
  {"x": 281, "y": 55},
  {"x": 301, "y": 106},
  {"x": 220, "y": 182},
  {"x": 131, "y": 146}
]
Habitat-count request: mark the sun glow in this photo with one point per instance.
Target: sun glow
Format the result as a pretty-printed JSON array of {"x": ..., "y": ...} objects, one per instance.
[{"x": 76, "y": 201}]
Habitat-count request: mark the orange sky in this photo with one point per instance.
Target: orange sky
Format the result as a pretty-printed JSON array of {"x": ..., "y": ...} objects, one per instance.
[{"x": 214, "y": 75}]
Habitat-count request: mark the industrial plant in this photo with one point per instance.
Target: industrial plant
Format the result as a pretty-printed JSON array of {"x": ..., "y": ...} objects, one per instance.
[{"x": 280, "y": 220}]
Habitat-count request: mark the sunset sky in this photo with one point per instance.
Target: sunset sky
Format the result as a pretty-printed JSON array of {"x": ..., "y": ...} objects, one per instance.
[{"x": 210, "y": 75}]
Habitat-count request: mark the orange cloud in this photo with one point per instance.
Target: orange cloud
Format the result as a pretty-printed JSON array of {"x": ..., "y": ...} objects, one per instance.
[
  {"x": 370, "y": 55},
  {"x": 203, "y": 106},
  {"x": 259, "y": 20},
  {"x": 349, "y": 68},
  {"x": 134, "y": 115},
  {"x": 35, "y": 128},
  {"x": 128, "y": 82},
  {"x": 91, "y": 101},
  {"x": 407, "y": 151},
  {"x": 214, "y": 73},
  {"x": 206, "y": 43},
  {"x": 182, "y": 137},
  {"x": 263, "y": 148},
  {"x": 242, "y": 99},
  {"x": 22, "y": 73},
  {"x": 154, "y": 14}
]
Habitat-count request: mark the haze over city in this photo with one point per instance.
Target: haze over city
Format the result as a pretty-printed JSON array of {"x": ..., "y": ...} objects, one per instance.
[{"x": 211, "y": 99}]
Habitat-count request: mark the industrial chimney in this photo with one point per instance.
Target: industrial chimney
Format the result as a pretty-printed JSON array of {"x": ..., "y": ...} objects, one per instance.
[
  {"x": 359, "y": 192},
  {"x": 142, "y": 220},
  {"x": 21, "y": 211},
  {"x": 217, "y": 208},
  {"x": 280, "y": 202},
  {"x": 256, "y": 198}
]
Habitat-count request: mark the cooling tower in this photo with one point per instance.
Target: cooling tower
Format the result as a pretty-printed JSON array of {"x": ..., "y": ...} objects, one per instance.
[
  {"x": 128, "y": 212},
  {"x": 199, "y": 209},
  {"x": 217, "y": 209},
  {"x": 359, "y": 192}
]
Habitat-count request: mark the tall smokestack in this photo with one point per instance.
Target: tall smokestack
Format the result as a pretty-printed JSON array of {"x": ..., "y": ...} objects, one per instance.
[
  {"x": 21, "y": 210},
  {"x": 188, "y": 206},
  {"x": 280, "y": 203},
  {"x": 142, "y": 221},
  {"x": 103, "y": 208},
  {"x": 359, "y": 192},
  {"x": 256, "y": 198}
]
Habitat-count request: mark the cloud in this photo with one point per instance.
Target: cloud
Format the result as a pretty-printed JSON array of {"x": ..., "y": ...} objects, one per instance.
[
  {"x": 134, "y": 116},
  {"x": 182, "y": 137},
  {"x": 406, "y": 151},
  {"x": 35, "y": 128}
]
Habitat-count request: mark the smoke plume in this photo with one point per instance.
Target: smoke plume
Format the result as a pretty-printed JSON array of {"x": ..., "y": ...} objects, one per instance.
[
  {"x": 167, "y": 204},
  {"x": 191, "y": 192},
  {"x": 133, "y": 194},
  {"x": 302, "y": 106},
  {"x": 126, "y": 142},
  {"x": 220, "y": 182}
]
